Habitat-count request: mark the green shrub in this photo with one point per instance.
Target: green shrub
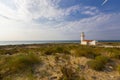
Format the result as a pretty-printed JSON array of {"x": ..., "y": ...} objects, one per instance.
[
  {"x": 61, "y": 50},
  {"x": 99, "y": 63},
  {"x": 118, "y": 68},
  {"x": 115, "y": 55},
  {"x": 48, "y": 52},
  {"x": 69, "y": 74},
  {"x": 112, "y": 52},
  {"x": 56, "y": 49},
  {"x": 95, "y": 65},
  {"x": 102, "y": 59},
  {"x": 86, "y": 52},
  {"x": 10, "y": 52},
  {"x": 18, "y": 63},
  {"x": 82, "y": 78}
]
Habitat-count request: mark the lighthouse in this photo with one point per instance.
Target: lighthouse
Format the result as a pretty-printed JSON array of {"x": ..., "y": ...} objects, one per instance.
[
  {"x": 82, "y": 36},
  {"x": 86, "y": 42}
]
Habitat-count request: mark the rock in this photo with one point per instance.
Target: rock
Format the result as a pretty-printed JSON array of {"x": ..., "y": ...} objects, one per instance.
[
  {"x": 93, "y": 77},
  {"x": 82, "y": 67},
  {"x": 53, "y": 78},
  {"x": 111, "y": 76}
]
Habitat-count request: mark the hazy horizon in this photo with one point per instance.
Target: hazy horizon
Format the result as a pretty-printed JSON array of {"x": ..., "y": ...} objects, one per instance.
[{"x": 25, "y": 20}]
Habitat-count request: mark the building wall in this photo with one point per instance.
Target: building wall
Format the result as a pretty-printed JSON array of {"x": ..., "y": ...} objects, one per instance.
[
  {"x": 92, "y": 43},
  {"x": 88, "y": 43},
  {"x": 84, "y": 43}
]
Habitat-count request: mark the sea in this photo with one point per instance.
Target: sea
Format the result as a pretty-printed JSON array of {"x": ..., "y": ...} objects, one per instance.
[{"x": 47, "y": 42}]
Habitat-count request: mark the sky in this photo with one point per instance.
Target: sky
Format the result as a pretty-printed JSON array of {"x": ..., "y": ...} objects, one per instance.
[{"x": 59, "y": 19}]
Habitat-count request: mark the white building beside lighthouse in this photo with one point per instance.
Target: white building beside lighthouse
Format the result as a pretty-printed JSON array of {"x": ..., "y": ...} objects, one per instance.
[{"x": 86, "y": 42}]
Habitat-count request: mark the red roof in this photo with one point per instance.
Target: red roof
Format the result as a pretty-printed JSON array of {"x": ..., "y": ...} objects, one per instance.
[{"x": 88, "y": 40}]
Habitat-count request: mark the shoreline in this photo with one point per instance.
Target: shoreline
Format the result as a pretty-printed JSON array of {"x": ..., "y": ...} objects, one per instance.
[
  {"x": 106, "y": 44},
  {"x": 6, "y": 43}
]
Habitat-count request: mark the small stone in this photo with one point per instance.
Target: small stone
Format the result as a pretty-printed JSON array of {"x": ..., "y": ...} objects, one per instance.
[
  {"x": 112, "y": 76},
  {"x": 110, "y": 67},
  {"x": 53, "y": 78},
  {"x": 93, "y": 77}
]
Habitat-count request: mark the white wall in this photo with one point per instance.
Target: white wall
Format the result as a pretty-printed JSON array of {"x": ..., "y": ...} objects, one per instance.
[
  {"x": 84, "y": 43},
  {"x": 93, "y": 43}
]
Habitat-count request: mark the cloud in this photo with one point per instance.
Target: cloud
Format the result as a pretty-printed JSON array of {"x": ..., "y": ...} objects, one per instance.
[
  {"x": 6, "y": 11},
  {"x": 38, "y": 8},
  {"x": 29, "y": 10},
  {"x": 95, "y": 27},
  {"x": 105, "y": 1},
  {"x": 89, "y": 10}
]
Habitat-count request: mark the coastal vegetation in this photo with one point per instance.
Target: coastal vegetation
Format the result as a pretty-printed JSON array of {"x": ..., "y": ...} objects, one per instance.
[
  {"x": 98, "y": 63},
  {"x": 57, "y": 62}
]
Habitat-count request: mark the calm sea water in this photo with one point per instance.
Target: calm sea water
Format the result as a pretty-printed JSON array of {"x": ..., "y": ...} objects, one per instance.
[
  {"x": 45, "y": 42},
  {"x": 36, "y": 42}
]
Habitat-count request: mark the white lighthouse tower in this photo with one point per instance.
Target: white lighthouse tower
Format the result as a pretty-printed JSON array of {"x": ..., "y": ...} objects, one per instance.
[{"x": 82, "y": 36}]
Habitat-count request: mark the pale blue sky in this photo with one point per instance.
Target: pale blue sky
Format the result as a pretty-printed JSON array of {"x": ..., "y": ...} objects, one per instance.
[{"x": 59, "y": 19}]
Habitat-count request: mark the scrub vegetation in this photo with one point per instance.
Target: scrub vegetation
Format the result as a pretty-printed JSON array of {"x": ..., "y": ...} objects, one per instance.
[{"x": 38, "y": 62}]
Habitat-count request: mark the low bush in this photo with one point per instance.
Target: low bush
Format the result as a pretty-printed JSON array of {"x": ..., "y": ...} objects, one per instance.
[
  {"x": 10, "y": 52},
  {"x": 18, "y": 63},
  {"x": 98, "y": 63},
  {"x": 118, "y": 68},
  {"x": 115, "y": 55},
  {"x": 102, "y": 59},
  {"x": 56, "y": 49},
  {"x": 69, "y": 74},
  {"x": 48, "y": 52},
  {"x": 81, "y": 78},
  {"x": 86, "y": 52},
  {"x": 112, "y": 53}
]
